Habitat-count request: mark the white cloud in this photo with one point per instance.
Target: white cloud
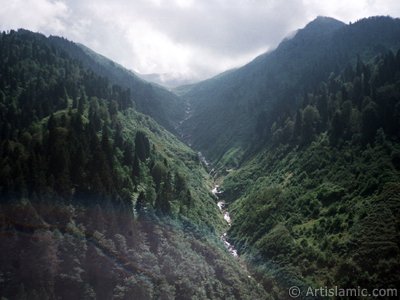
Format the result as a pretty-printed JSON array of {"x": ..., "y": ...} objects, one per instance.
[
  {"x": 38, "y": 15},
  {"x": 350, "y": 11},
  {"x": 156, "y": 51},
  {"x": 184, "y": 37}
]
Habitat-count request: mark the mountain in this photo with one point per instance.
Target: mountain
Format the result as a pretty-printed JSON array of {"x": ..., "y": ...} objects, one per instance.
[
  {"x": 151, "y": 99},
  {"x": 97, "y": 200},
  {"x": 318, "y": 204},
  {"x": 227, "y": 109},
  {"x": 100, "y": 199},
  {"x": 306, "y": 143}
]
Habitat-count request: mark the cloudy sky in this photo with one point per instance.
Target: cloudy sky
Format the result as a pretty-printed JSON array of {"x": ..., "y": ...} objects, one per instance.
[{"x": 189, "y": 38}]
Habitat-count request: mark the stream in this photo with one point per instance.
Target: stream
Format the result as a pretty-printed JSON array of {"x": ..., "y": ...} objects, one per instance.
[
  {"x": 227, "y": 218},
  {"x": 187, "y": 115},
  {"x": 215, "y": 191}
]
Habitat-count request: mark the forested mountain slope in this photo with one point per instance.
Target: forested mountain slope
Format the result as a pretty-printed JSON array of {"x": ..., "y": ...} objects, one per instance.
[
  {"x": 229, "y": 110},
  {"x": 315, "y": 199},
  {"x": 97, "y": 201},
  {"x": 151, "y": 99},
  {"x": 320, "y": 203}
]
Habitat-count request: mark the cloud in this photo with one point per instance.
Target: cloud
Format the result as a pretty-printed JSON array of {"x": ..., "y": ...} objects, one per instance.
[
  {"x": 187, "y": 38},
  {"x": 354, "y": 10},
  {"x": 38, "y": 15}
]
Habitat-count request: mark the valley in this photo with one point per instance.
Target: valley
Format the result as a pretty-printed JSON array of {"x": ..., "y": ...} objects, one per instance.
[{"x": 284, "y": 172}]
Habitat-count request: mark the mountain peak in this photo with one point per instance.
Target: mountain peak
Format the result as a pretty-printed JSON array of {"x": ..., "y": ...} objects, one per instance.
[
  {"x": 324, "y": 23},
  {"x": 326, "y": 20},
  {"x": 319, "y": 27}
]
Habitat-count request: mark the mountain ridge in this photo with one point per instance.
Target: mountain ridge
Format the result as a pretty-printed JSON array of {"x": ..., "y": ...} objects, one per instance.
[
  {"x": 150, "y": 98},
  {"x": 314, "y": 198},
  {"x": 272, "y": 76}
]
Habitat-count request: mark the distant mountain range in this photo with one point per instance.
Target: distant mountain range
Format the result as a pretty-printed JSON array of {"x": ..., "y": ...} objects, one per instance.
[{"x": 167, "y": 80}]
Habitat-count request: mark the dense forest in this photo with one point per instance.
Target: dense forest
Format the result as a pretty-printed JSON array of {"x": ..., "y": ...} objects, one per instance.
[
  {"x": 320, "y": 204},
  {"x": 97, "y": 200}
]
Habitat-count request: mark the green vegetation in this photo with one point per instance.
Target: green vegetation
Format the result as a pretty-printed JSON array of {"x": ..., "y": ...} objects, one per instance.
[
  {"x": 97, "y": 200},
  {"x": 319, "y": 205},
  {"x": 303, "y": 215}
]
